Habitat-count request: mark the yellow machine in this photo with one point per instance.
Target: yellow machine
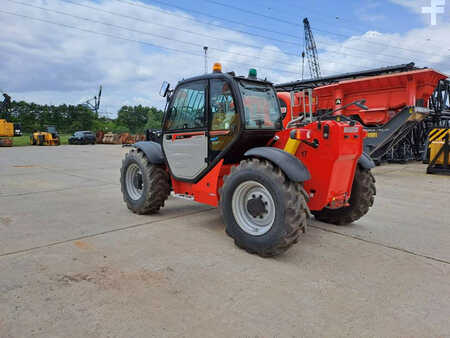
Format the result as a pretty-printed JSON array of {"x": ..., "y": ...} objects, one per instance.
[
  {"x": 7, "y": 129},
  {"x": 45, "y": 138},
  {"x": 440, "y": 154}
]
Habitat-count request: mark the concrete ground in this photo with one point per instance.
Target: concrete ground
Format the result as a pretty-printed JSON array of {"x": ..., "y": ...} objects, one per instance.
[{"x": 74, "y": 262}]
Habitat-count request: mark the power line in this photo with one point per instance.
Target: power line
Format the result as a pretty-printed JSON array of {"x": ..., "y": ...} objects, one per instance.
[
  {"x": 163, "y": 25},
  {"x": 136, "y": 41},
  {"x": 140, "y": 32},
  {"x": 339, "y": 19},
  {"x": 269, "y": 17},
  {"x": 265, "y": 29},
  {"x": 376, "y": 43},
  {"x": 316, "y": 29},
  {"x": 206, "y": 35},
  {"x": 143, "y": 42},
  {"x": 249, "y": 33},
  {"x": 198, "y": 45},
  {"x": 207, "y": 23}
]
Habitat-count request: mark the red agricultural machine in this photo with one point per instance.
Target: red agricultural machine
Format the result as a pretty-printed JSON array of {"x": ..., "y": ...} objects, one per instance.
[
  {"x": 223, "y": 143},
  {"x": 405, "y": 104}
]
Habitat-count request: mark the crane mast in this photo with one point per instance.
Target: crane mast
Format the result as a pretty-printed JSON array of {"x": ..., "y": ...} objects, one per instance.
[{"x": 311, "y": 51}]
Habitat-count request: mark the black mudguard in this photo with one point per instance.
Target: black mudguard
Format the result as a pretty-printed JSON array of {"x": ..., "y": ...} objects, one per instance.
[
  {"x": 152, "y": 151},
  {"x": 292, "y": 167},
  {"x": 366, "y": 162}
]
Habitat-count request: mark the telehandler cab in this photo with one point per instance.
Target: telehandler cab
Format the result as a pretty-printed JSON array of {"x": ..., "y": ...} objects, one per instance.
[{"x": 223, "y": 144}]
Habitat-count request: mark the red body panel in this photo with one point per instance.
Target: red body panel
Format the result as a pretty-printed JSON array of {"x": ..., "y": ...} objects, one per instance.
[
  {"x": 205, "y": 191},
  {"x": 385, "y": 95},
  {"x": 332, "y": 165}
]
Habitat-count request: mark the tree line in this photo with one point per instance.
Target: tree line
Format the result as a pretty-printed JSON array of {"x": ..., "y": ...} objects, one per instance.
[{"x": 70, "y": 118}]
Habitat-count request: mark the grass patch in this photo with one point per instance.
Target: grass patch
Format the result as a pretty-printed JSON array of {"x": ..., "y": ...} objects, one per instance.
[{"x": 24, "y": 140}]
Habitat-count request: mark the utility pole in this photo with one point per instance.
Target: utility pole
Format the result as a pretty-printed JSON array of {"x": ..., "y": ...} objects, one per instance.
[
  {"x": 205, "y": 49},
  {"x": 96, "y": 105}
]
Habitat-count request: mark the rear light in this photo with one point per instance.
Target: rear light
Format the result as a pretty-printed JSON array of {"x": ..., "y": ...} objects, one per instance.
[{"x": 300, "y": 134}]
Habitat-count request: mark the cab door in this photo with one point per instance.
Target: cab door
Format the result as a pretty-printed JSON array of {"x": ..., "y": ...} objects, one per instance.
[
  {"x": 224, "y": 121},
  {"x": 185, "y": 139}
]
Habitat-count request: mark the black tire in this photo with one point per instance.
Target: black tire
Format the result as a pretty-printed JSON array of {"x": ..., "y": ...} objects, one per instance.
[
  {"x": 155, "y": 184},
  {"x": 291, "y": 210},
  {"x": 361, "y": 199}
]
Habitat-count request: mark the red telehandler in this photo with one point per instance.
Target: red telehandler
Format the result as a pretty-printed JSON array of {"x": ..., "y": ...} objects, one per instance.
[{"x": 223, "y": 144}]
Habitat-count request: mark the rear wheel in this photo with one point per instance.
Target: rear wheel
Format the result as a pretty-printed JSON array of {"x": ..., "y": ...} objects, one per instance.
[
  {"x": 361, "y": 199},
  {"x": 145, "y": 186},
  {"x": 264, "y": 211}
]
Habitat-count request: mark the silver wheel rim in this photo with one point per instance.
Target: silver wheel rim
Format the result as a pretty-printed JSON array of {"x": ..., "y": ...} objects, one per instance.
[
  {"x": 259, "y": 225},
  {"x": 134, "y": 182}
]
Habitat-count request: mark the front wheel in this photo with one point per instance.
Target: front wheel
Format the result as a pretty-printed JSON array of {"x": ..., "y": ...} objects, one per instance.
[
  {"x": 145, "y": 186},
  {"x": 263, "y": 210},
  {"x": 361, "y": 199}
]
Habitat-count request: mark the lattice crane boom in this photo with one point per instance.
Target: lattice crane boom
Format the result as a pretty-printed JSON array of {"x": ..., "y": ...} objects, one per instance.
[{"x": 311, "y": 51}]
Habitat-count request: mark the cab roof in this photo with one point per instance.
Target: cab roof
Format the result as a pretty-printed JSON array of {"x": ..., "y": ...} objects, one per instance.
[{"x": 230, "y": 76}]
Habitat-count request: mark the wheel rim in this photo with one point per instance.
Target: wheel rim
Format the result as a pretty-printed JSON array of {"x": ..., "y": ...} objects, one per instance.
[
  {"x": 134, "y": 182},
  {"x": 253, "y": 208}
]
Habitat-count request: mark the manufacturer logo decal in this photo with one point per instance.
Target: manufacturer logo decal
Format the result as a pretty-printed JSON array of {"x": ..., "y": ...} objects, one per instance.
[{"x": 351, "y": 129}]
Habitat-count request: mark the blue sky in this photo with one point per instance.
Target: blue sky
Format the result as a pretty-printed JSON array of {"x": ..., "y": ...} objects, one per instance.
[
  {"x": 59, "y": 51},
  {"x": 337, "y": 20}
]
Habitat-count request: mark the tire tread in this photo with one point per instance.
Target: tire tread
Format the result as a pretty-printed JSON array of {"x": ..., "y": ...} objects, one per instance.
[
  {"x": 158, "y": 190},
  {"x": 296, "y": 210}
]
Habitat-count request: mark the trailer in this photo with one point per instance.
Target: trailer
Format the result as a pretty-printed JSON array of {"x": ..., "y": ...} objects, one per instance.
[{"x": 405, "y": 104}]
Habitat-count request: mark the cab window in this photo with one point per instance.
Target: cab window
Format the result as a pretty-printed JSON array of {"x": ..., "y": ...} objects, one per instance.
[
  {"x": 223, "y": 117},
  {"x": 223, "y": 113},
  {"x": 260, "y": 105},
  {"x": 187, "y": 109}
]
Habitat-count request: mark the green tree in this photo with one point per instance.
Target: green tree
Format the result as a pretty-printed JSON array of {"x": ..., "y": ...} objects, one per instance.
[
  {"x": 134, "y": 118},
  {"x": 155, "y": 117},
  {"x": 70, "y": 118}
]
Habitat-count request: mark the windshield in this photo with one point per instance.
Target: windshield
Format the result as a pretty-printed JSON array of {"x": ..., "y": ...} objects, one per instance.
[{"x": 261, "y": 106}]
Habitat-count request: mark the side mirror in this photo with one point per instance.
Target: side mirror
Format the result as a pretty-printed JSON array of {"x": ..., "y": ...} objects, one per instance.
[
  {"x": 164, "y": 89},
  {"x": 361, "y": 104}
]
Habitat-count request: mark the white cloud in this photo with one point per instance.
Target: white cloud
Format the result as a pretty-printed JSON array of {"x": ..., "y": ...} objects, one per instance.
[
  {"x": 417, "y": 5},
  {"x": 52, "y": 64},
  {"x": 414, "y": 5}
]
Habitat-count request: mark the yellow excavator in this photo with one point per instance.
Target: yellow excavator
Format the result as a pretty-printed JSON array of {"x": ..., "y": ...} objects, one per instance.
[
  {"x": 7, "y": 129},
  {"x": 45, "y": 138}
]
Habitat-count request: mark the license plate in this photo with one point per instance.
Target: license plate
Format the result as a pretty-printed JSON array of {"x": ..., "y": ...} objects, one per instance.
[{"x": 372, "y": 134}]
